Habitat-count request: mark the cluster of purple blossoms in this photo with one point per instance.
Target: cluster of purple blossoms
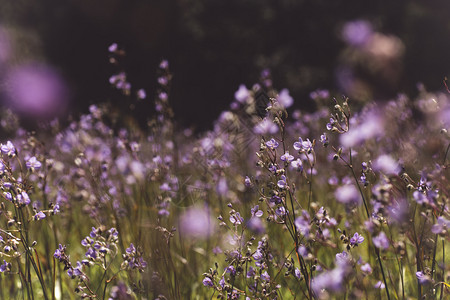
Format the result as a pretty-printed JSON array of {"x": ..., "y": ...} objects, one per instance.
[
  {"x": 304, "y": 146},
  {"x": 8, "y": 149},
  {"x": 133, "y": 259},
  {"x": 99, "y": 243}
]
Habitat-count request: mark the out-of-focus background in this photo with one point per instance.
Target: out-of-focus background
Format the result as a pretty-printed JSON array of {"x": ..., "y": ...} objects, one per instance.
[{"x": 54, "y": 57}]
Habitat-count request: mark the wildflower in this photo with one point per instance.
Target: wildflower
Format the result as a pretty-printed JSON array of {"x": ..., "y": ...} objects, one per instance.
[
  {"x": 366, "y": 268},
  {"x": 23, "y": 198},
  {"x": 231, "y": 270},
  {"x": 441, "y": 226},
  {"x": 303, "y": 223},
  {"x": 247, "y": 181},
  {"x": 297, "y": 165},
  {"x": 386, "y": 164},
  {"x": 303, "y": 146},
  {"x": 164, "y": 64},
  {"x": 356, "y": 239},
  {"x": 8, "y": 149},
  {"x": 266, "y": 126},
  {"x": 297, "y": 273},
  {"x": 256, "y": 211},
  {"x": 379, "y": 285},
  {"x": 236, "y": 218},
  {"x": 357, "y": 33},
  {"x": 280, "y": 211},
  {"x": 285, "y": 99},
  {"x": 330, "y": 125},
  {"x": 59, "y": 253},
  {"x": 6, "y": 266},
  {"x": 422, "y": 277},
  {"x": 196, "y": 222},
  {"x": 113, "y": 47},
  {"x": 347, "y": 194},
  {"x": 282, "y": 182},
  {"x": 381, "y": 241},
  {"x": 287, "y": 157},
  {"x": 342, "y": 258},
  {"x": 141, "y": 94},
  {"x": 420, "y": 197},
  {"x": 303, "y": 251},
  {"x": 74, "y": 272},
  {"x": 324, "y": 139},
  {"x": 265, "y": 276},
  {"x": 272, "y": 144},
  {"x": 251, "y": 272},
  {"x": 275, "y": 199},
  {"x": 363, "y": 179},
  {"x": 33, "y": 164},
  {"x": 242, "y": 94},
  {"x": 39, "y": 216}
]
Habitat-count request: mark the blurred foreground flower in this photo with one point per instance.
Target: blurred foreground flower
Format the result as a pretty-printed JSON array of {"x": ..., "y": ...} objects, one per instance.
[{"x": 36, "y": 90}]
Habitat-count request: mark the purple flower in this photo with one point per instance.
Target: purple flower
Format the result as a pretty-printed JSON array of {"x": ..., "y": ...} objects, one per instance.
[
  {"x": 113, "y": 47},
  {"x": 23, "y": 199},
  {"x": 285, "y": 99},
  {"x": 266, "y": 126},
  {"x": 422, "y": 277},
  {"x": 347, "y": 194},
  {"x": 231, "y": 270},
  {"x": 5, "y": 266},
  {"x": 297, "y": 273},
  {"x": 282, "y": 182},
  {"x": 196, "y": 222},
  {"x": 287, "y": 157},
  {"x": 256, "y": 211},
  {"x": 303, "y": 251},
  {"x": 441, "y": 226},
  {"x": 251, "y": 272},
  {"x": 247, "y": 181},
  {"x": 324, "y": 139},
  {"x": 381, "y": 241},
  {"x": 8, "y": 149},
  {"x": 303, "y": 146},
  {"x": 379, "y": 285},
  {"x": 342, "y": 258},
  {"x": 59, "y": 252},
  {"x": 37, "y": 90},
  {"x": 280, "y": 211},
  {"x": 272, "y": 144},
  {"x": 33, "y": 164},
  {"x": 39, "y": 216},
  {"x": 303, "y": 223},
  {"x": 356, "y": 239},
  {"x": 275, "y": 199},
  {"x": 386, "y": 164},
  {"x": 265, "y": 276},
  {"x": 141, "y": 94},
  {"x": 297, "y": 165},
  {"x": 357, "y": 33},
  {"x": 420, "y": 197},
  {"x": 236, "y": 218},
  {"x": 330, "y": 125},
  {"x": 131, "y": 250},
  {"x": 366, "y": 268},
  {"x": 242, "y": 94}
]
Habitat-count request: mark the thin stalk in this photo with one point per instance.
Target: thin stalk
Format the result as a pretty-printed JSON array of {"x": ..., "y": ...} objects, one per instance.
[{"x": 368, "y": 216}]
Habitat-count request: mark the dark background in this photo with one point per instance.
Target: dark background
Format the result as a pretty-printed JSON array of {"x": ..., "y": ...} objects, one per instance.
[{"x": 214, "y": 46}]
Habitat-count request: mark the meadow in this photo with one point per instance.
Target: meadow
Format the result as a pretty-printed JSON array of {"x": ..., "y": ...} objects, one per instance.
[{"x": 349, "y": 201}]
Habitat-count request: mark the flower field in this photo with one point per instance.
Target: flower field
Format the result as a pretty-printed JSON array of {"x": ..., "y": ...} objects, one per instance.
[{"x": 349, "y": 201}]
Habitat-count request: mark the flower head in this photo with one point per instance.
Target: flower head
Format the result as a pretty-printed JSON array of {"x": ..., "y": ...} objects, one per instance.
[
  {"x": 356, "y": 239},
  {"x": 8, "y": 149},
  {"x": 33, "y": 164}
]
